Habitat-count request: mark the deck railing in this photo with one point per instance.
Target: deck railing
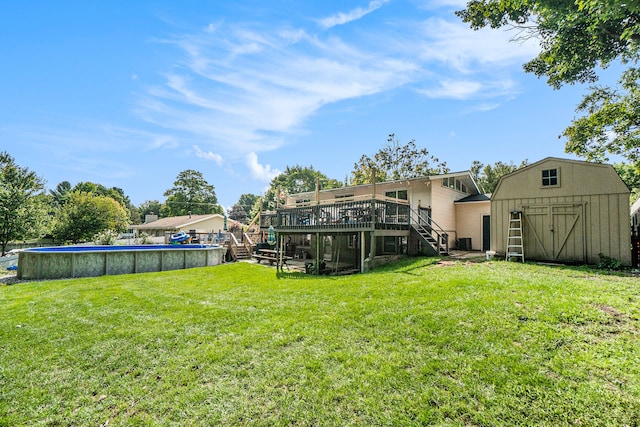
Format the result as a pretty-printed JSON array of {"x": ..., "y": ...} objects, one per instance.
[{"x": 360, "y": 214}]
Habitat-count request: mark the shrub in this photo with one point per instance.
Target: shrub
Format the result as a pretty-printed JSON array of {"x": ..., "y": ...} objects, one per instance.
[
  {"x": 608, "y": 263},
  {"x": 106, "y": 237},
  {"x": 145, "y": 239}
]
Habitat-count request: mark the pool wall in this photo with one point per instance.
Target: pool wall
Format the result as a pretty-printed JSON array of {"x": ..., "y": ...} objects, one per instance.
[{"x": 92, "y": 261}]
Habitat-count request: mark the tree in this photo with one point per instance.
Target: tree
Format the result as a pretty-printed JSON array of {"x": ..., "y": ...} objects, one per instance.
[
  {"x": 396, "y": 161},
  {"x": 22, "y": 211},
  {"x": 60, "y": 194},
  {"x": 115, "y": 193},
  {"x": 247, "y": 201},
  {"x": 295, "y": 179},
  {"x": 149, "y": 207},
  {"x": 85, "y": 214},
  {"x": 237, "y": 213},
  {"x": 487, "y": 176},
  {"x": 576, "y": 38},
  {"x": 190, "y": 194},
  {"x": 630, "y": 174}
]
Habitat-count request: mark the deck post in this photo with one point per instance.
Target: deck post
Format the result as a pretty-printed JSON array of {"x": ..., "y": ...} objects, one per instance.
[
  {"x": 372, "y": 254},
  {"x": 363, "y": 252},
  {"x": 318, "y": 255}
]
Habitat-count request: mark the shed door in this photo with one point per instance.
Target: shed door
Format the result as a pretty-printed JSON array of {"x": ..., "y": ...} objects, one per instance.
[{"x": 555, "y": 232}]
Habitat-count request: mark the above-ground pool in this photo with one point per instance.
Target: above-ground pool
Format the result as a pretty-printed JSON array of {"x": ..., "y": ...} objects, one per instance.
[{"x": 90, "y": 261}]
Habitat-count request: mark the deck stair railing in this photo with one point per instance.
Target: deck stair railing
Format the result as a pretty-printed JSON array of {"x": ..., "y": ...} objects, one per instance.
[
  {"x": 237, "y": 250},
  {"x": 430, "y": 232},
  {"x": 247, "y": 243}
]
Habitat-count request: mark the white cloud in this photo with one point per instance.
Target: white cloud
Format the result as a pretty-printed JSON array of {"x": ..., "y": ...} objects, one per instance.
[
  {"x": 208, "y": 155},
  {"x": 456, "y": 46},
  {"x": 258, "y": 171},
  {"x": 248, "y": 88},
  {"x": 467, "y": 89},
  {"x": 353, "y": 15}
]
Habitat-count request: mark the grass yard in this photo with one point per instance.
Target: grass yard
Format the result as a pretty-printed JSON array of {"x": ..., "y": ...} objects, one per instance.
[{"x": 417, "y": 343}]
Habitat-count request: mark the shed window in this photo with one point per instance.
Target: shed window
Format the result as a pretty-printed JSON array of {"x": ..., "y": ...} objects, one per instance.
[{"x": 549, "y": 177}]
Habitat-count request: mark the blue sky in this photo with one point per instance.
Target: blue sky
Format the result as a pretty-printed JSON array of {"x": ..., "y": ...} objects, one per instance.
[{"x": 130, "y": 93}]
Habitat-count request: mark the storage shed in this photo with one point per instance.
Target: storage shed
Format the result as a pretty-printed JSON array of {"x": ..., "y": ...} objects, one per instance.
[{"x": 571, "y": 211}]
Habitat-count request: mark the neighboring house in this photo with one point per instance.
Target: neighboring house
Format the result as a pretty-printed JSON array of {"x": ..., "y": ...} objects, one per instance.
[
  {"x": 194, "y": 224},
  {"x": 354, "y": 227},
  {"x": 572, "y": 211}
]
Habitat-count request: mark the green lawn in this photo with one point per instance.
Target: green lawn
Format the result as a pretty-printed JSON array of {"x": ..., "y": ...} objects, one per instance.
[{"x": 481, "y": 344}]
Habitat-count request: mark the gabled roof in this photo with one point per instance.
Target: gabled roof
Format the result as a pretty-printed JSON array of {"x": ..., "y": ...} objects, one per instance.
[
  {"x": 525, "y": 169},
  {"x": 176, "y": 222}
]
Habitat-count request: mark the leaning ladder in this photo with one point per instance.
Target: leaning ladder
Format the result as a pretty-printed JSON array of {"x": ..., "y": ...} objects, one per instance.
[{"x": 515, "y": 242}]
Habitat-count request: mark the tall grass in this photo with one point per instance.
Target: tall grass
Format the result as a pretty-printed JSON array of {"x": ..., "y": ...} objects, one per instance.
[{"x": 417, "y": 343}]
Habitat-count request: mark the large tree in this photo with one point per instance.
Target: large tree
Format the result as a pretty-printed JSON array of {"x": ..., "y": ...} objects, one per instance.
[
  {"x": 190, "y": 194},
  {"x": 241, "y": 211},
  {"x": 60, "y": 194},
  {"x": 630, "y": 174},
  {"x": 115, "y": 193},
  {"x": 85, "y": 214},
  {"x": 487, "y": 176},
  {"x": 149, "y": 207},
  {"x": 22, "y": 210},
  {"x": 294, "y": 179},
  {"x": 577, "y": 38},
  {"x": 396, "y": 161}
]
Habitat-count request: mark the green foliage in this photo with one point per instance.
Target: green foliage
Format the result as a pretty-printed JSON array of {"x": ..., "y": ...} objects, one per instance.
[
  {"x": 115, "y": 193},
  {"x": 396, "y": 161},
  {"x": 237, "y": 213},
  {"x": 295, "y": 179},
  {"x": 417, "y": 343},
  {"x": 611, "y": 124},
  {"x": 247, "y": 201},
  {"x": 22, "y": 206},
  {"x": 106, "y": 237},
  {"x": 149, "y": 207},
  {"x": 241, "y": 211},
  {"x": 630, "y": 174},
  {"x": 608, "y": 263},
  {"x": 60, "y": 194},
  {"x": 145, "y": 239},
  {"x": 84, "y": 215},
  {"x": 487, "y": 176},
  {"x": 577, "y": 37},
  {"x": 190, "y": 193}
]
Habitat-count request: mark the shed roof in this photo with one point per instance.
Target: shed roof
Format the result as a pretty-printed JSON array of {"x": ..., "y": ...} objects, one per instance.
[{"x": 586, "y": 178}]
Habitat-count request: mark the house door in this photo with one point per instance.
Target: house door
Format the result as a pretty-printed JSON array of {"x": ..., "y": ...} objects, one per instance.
[
  {"x": 486, "y": 232},
  {"x": 555, "y": 232},
  {"x": 425, "y": 216}
]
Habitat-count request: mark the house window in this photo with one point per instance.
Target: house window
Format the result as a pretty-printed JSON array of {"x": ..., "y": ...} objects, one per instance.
[
  {"x": 449, "y": 182},
  {"x": 400, "y": 194},
  {"x": 454, "y": 184},
  {"x": 550, "y": 178}
]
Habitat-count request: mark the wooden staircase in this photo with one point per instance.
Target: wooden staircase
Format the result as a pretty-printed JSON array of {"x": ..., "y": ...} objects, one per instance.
[
  {"x": 430, "y": 233},
  {"x": 240, "y": 250}
]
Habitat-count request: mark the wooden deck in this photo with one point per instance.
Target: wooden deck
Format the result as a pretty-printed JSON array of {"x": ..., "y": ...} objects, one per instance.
[{"x": 365, "y": 215}]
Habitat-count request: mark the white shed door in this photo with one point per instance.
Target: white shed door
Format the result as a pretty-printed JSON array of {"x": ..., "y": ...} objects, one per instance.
[{"x": 554, "y": 232}]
